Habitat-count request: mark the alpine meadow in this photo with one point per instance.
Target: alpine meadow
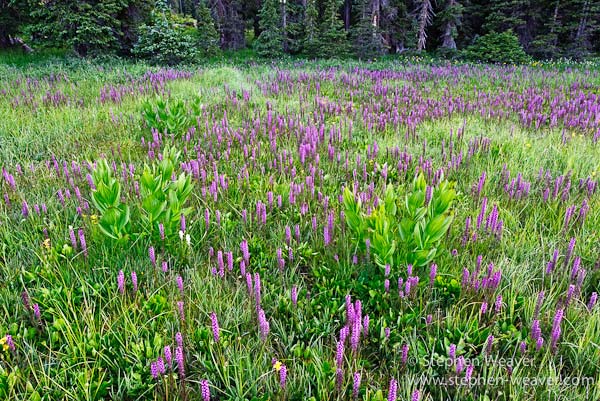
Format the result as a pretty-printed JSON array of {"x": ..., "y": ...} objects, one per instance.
[{"x": 299, "y": 200}]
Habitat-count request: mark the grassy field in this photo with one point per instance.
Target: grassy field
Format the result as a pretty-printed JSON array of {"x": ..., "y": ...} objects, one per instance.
[{"x": 299, "y": 230}]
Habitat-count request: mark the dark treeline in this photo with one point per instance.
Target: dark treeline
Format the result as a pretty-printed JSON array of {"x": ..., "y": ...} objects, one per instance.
[{"x": 324, "y": 28}]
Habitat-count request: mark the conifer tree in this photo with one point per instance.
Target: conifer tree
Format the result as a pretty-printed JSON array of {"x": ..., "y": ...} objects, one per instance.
[
  {"x": 270, "y": 41},
  {"x": 334, "y": 41},
  {"x": 368, "y": 42},
  {"x": 311, "y": 44},
  {"x": 208, "y": 37}
]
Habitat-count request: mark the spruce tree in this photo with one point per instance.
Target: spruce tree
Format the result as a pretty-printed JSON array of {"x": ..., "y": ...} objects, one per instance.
[
  {"x": 334, "y": 41},
  {"x": 368, "y": 42},
  {"x": 293, "y": 22},
  {"x": 270, "y": 40},
  {"x": 208, "y": 37},
  {"x": 311, "y": 43}
]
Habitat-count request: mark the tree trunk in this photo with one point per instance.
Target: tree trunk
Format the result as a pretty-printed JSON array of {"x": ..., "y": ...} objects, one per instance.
[
  {"x": 347, "y": 13},
  {"x": 582, "y": 22},
  {"x": 449, "y": 42}
]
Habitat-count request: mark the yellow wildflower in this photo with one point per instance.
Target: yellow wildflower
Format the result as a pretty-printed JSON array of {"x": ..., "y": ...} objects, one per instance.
[
  {"x": 4, "y": 344},
  {"x": 277, "y": 366},
  {"x": 46, "y": 243}
]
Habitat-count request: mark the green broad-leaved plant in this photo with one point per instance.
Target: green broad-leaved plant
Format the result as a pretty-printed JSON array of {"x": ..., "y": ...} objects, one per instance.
[
  {"x": 403, "y": 229},
  {"x": 163, "y": 199},
  {"x": 115, "y": 215},
  {"x": 165, "y": 116}
]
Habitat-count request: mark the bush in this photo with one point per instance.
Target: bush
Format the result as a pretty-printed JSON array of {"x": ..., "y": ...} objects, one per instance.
[
  {"x": 497, "y": 48},
  {"x": 167, "y": 40}
]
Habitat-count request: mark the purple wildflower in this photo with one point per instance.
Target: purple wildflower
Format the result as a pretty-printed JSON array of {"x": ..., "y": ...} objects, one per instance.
[
  {"x": 214, "y": 326},
  {"x": 179, "y": 360},
  {"x": 592, "y": 301},
  {"x": 168, "y": 355},
  {"x": 488, "y": 345},
  {"x": 179, "y": 281},
  {"x": 355, "y": 384},
  {"x": 82, "y": 242},
  {"x": 205, "y": 390},
  {"x": 160, "y": 365},
  {"x": 460, "y": 364},
  {"x": 134, "y": 281},
  {"x": 484, "y": 307},
  {"x": 469, "y": 373},
  {"x": 339, "y": 354},
  {"x": 25, "y": 300},
  {"x": 263, "y": 325},
  {"x": 432, "y": 274},
  {"x": 392, "y": 393},
  {"x": 180, "y": 308},
  {"x": 556, "y": 331},
  {"x": 121, "y": 282},
  {"x": 539, "y": 343},
  {"x": 339, "y": 379},
  {"x": 154, "y": 370},
  {"x": 404, "y": 357},
  {"x": 179, "y": 339},
  {"x": 282, "y": 376},
  {"x": 161, "y": 231},
  {"x": 294, "y": 295},
  {"x": 36, "y": 312},
  {"x": 498, "y": 304},
  {"x": 73, "y": 238},
  {"x": 152, "y": 255},
  {"x": 10, "y": 342}
]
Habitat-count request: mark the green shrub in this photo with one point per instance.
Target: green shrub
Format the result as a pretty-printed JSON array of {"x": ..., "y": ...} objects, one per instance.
[
  {"x": 168, "y": 39},
  {"x": 497, "y": 48}
]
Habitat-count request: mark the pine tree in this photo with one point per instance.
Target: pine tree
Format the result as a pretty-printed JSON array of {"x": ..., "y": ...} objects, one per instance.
[
  {"x": 270, "y": 41},
  {"x": 208, "y": 37},
  {"x": 334, "y": 41},
  {"x": 368, "y": 42},
  {"x": 311, "y": 43}
]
